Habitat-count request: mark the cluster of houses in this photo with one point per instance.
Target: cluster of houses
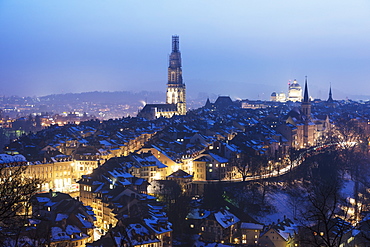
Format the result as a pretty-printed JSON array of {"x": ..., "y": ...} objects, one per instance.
[{"x": 115, "y": 168}]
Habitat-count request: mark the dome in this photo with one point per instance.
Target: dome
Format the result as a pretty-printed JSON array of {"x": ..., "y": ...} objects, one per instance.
[
  {"x": 295, "y": 85},
  {"x": 273, "y": 94}
]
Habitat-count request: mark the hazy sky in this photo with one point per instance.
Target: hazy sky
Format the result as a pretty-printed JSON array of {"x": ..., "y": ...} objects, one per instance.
[{"x": 244, "y": 49}]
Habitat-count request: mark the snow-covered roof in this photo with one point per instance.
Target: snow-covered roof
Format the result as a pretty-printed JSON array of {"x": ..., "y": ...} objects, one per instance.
[
  {"x": 198, "y": 214},
  {"x": 156, "y": 227},
  {"x": 60, "y": 217},
  {"x": 218, "y": 158},
  {"x": 284, "y": 235},
  {"x": 225, "y": 218},
  {"x": 85, "y": 223},
  {"x": 149, "y": 160},
  {"x": 135, "y": 230},
  {"x": 120, "y": 174},
  {"x": 125, "y": 182},
  {"x": 57, "y": 234},
  {"x": 139, "y": 181},
  {"x": 70, "y": 229},
  {"x": 6, "y": 158},
  {"x": 105, "y": 143},
  {"x": 252, "y": 226},
  {"x": 42, "y": 199}
]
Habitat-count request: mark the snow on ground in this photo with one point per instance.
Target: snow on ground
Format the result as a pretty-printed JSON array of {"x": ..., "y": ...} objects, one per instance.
[
  {"x": 280, "y": 201},
  {"x": 348, "y": 188}
]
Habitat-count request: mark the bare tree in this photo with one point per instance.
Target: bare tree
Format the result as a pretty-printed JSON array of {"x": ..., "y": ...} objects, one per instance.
[
  {"x": 248, "y": 163},
  {"x": 325, "y": 219},
  {"x": 15, "y": 192}
]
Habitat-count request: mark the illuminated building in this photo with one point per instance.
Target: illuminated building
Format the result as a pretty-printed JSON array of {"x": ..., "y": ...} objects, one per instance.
[
  {"x": 117, "y": 196},
  {"x": 176, "y": 90},
  {"x": 301, "y": 129},
  {"x": 175, "y": 85},
  {"x": 295, "y": 92},
  {"x": 275, "y": 97},
  {"x": 64, "y": 219}
]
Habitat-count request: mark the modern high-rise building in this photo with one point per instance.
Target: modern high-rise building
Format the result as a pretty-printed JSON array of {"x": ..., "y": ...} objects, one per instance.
[{"x": 176, "y": 90}]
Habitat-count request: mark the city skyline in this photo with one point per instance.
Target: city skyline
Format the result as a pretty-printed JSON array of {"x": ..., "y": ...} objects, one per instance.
[{"x": 257, "y": 47}]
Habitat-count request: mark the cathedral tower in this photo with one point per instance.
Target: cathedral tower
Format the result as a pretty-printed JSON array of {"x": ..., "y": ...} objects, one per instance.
[{"x": 175, "y": 86}]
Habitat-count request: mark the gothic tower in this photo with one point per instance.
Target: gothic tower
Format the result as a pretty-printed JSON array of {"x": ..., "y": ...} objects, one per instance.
[
  {"x": 306, "y": 104},
  {"x": 175, "y": 86},
  {"x": 330, "y": 99},
  {"x": 306, "y": 110}
]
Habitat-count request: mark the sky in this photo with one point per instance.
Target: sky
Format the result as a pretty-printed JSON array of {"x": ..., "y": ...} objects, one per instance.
[{"x": 241, "y": 48}]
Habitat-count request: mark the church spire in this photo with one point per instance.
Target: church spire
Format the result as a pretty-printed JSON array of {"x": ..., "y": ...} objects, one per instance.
[
  {"x": 306, "y": 104},
  {"x": 175, "y": 43},
  {"x": 330, "y": 99},
  {"x": 174, "y": 68},
  {"x": 305, "y": 97}
]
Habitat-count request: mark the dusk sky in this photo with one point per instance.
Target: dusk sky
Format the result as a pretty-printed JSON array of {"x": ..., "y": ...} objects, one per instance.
[{"x": 244, "y": 49}]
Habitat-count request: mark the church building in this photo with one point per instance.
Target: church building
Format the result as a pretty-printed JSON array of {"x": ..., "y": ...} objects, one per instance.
[
  {"x": 175, "y": 96},
  {"x": 303, "y": 129}
]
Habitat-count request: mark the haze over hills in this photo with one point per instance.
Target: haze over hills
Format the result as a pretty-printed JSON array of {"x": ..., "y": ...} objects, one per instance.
[{"x": 104, "y": 105}]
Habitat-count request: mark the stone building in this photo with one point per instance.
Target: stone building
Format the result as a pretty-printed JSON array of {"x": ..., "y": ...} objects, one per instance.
[{"x": 176, "y": 90}]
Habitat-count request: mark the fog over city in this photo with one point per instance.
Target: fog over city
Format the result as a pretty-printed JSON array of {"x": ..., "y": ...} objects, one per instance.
[{"x": 244, "y": 49}]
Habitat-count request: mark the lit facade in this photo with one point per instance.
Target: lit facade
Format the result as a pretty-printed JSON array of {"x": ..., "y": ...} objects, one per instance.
[
  {"x": 295, "y": 92},
  {"x": 278, "y": 97},
  {"x": 176, "y": 90},
  {"x": 175, "y": 86}
]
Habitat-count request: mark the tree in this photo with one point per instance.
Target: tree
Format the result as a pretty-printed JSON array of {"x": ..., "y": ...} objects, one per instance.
[
  {"x": 354, "y": 144},
  {"x": 248, "y": 163},
  {"x": 324, "y": 214},
  {"x": 15, "y": 192},
  {"x": 325, "y": 219}
]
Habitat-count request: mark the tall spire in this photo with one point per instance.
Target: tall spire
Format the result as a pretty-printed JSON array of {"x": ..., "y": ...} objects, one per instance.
[
  {"x": 175, "y": 61},
  {"x": 176, "y": 89},
  {"x": 306, "y": 104},
  {"x": 305, "y": 97},
  {"x": 175, "y": 43},
  {"x": 330, "y": 99}
]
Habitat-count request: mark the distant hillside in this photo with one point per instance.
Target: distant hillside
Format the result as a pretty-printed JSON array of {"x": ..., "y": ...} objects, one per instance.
[{"x": 106, "y": 97}]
